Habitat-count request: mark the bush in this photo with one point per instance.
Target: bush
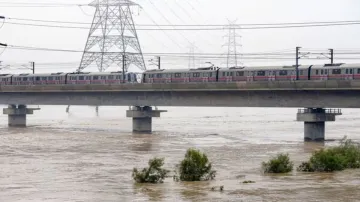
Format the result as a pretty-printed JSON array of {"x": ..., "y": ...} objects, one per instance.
[
  {"x": 279, "y": 164},
  {"x": 345, "y": 156},
  {"x": 306, "y": 167},
  {"x": 153, "y": 174},
  {"x": 195, "y": 167}
]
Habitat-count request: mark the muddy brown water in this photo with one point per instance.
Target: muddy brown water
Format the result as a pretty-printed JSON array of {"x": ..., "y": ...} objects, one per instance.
[{"x": 84, "y": 157}]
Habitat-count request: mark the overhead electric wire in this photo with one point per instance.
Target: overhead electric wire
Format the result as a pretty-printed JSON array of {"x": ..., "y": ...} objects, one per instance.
[
  {"x": 34, "y": 4},
  {"x": 276, "y": 53},
  {"x": 194, "y": 25},
  {"x": 198, "y": 29}
]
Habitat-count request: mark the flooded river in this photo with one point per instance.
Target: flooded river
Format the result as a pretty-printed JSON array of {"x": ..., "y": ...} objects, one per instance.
[{"x": 84, "y": 157}]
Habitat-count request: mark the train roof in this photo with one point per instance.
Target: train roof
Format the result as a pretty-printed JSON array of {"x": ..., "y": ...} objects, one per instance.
[
  {"x": 262, "y": 68},
  {"x": 6, "y": 75},
  {"x": 156, "y": 71},
  {"x": 95, "y": 73},
  {"x": 45, "y": 74}
]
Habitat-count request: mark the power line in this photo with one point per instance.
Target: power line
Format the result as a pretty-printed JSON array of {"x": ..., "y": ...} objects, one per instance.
[
  {"x": 267, "y": 53},
  {"x": 26, "y": 4},
  {"x": 200, "y": 29},
  {"x": 195, "y": 25}
]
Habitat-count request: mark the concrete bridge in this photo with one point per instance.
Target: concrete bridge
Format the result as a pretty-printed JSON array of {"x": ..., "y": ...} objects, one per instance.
[{"x": 312, "y": 95}]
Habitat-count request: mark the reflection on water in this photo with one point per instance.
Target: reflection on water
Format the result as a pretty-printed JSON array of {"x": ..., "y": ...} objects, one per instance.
[{"x": 84, "y": 157}]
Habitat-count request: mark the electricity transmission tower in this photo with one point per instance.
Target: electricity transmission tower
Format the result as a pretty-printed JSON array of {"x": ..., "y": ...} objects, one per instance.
[
  {"x": 232, "y": 59},
  {"x": 112, "y": 40}
]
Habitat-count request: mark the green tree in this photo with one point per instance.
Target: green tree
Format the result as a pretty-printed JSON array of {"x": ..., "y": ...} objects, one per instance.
[
  {"x": 195, "y": 167},
  {"x": 153, "y": 174},
  {"x": 279, "y": 164},
  {"x": 344, "y": 156}
]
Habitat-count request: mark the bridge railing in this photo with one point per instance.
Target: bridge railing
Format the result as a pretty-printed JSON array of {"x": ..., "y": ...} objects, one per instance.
[{"x": 326, "y": 111}]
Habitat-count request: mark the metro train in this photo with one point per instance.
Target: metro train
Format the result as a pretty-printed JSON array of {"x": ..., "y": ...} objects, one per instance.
[{"x": 199, "y": 75}]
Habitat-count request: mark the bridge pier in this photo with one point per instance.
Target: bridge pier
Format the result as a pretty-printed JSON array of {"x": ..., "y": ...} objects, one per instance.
[
  {"x": 142, "y": 118},
  {"x": 314, "y": 122},
  {"x": 17, "y": 115}
]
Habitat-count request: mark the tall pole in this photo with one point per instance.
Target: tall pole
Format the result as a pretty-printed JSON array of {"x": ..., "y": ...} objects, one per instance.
[
  {"x": 332, "y": 56},
  {"x": 33, "y": 67},
  {"x": 123, "y": 67},
  {"x": 297, "y": 62},
  {"x": 159, "y": 62}
]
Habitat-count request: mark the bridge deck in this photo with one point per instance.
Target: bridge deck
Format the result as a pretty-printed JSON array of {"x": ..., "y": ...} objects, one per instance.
[{"x": 238, "y": 86}]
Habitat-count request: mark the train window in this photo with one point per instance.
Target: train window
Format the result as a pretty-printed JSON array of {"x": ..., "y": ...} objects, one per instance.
[
  {"x": 239, "y": 73},
  {"x": 317, "y": 72},
  {"x": 336, "y": 71},
  {"x": 283, "y": 73},
  {"x": 224, "y": 73},
  {"x": 103, "y": 77},
  {"x": 81, "y": 78},
  {"x": 50, "y": 78},
  {"x": 37, "y": 78},
  {"x": 231, "y": 74},
  {"x": 326, "y": 71},
  {"x": 322, "y": 72},
  {"x": 261, "y": 73},
  {"x": 111, "y": 77},
  {"x": 351, "y": 71},
  {"x": 347, "y": 71},
  {"x": 43, "y": 78},
  {"x": 117, "y": 77},
  {"x": 158, "y": 75},
  {"x": 358, "y": 71},
  {"x": 25, "y": 79},
  {"x": 95, "y": 77},
  {"x": 210, "y": 74},
  {"x": 177, "y": 75}
]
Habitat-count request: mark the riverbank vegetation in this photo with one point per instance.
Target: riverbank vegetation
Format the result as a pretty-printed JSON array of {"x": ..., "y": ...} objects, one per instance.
[
  {"x": 344, "y": 156},
  {"x": 153, "y": 174},
  {"x": 279, "y": 164}
]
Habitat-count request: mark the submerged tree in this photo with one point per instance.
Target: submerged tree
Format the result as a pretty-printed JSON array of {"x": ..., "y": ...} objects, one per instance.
[
  {"x": 280, "y": 164},
  {"x": 195, "y": 167},
  {"x": 153, "y": 174},
  {"x": 344, "y": 156}
]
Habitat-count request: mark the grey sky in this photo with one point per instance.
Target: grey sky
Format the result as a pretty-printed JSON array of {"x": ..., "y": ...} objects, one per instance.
[{"x": 207, "y": 12}]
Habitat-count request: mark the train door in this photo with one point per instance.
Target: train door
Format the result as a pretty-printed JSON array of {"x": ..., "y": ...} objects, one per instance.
[
  {"x": 250, "y": 76},
  {"x": 348, "y": 74},
  {"x": 205, "y": 77},
  {"x": 229, "y": 77},
  {"x": 271, "y": 75},
  {"x": 323, "y": 74},
  {"x": 293, "y": 75}
]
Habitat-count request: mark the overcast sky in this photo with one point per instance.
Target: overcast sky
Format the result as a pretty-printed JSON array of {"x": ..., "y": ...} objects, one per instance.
[{"x": 186, "y": 12}]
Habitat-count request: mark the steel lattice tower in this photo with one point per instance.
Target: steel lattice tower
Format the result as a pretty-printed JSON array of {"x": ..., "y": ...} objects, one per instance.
[
  {"x": 112, "y": 38},
  {"x": 232, "y": 59}
]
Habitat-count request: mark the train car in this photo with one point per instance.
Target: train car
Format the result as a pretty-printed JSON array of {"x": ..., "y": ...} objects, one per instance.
[
  {"x": 6, "y": 79},
  {"x": 180, "y": 75},
  {"x": 99, "y": 78},
  {"x": 343, "y": 71},
  {"x": 39, "y": 79},
  {"x": 262, "y": 73}
]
